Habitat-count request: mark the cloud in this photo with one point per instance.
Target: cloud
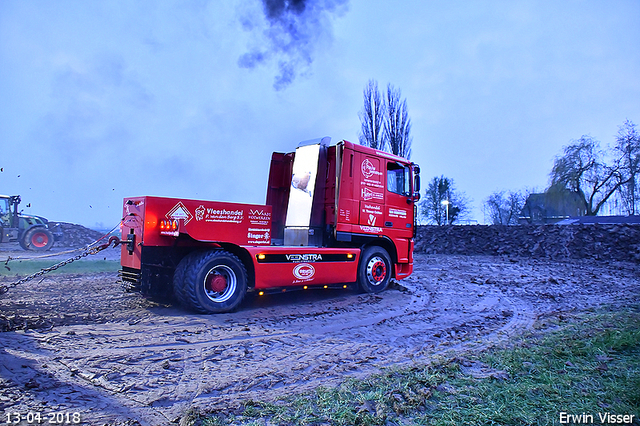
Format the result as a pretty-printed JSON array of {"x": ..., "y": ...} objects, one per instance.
[
  {"x": 288, "y": 33},
  {"x": 94, "y": 102}
]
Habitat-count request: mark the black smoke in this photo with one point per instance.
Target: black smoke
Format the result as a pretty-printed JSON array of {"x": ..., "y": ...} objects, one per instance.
[{"x": 289, "y": 35}]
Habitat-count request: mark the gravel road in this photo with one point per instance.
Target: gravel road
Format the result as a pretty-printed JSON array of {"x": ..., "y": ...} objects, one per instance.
[{"x": 78, "y": 343}]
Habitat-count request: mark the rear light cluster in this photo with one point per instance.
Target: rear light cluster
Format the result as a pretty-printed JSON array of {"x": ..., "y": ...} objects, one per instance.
[{"x": 168, "y": 225}]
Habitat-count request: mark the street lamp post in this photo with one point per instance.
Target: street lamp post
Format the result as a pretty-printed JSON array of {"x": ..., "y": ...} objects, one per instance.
[{"x": 446, "y": 204}]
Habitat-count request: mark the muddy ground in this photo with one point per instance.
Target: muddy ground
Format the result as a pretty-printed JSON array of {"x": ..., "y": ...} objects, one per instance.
[{"x": 80, "y": 344}]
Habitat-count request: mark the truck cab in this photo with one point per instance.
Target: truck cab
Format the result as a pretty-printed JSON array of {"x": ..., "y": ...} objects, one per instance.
[{"x": 335, "y": 215}]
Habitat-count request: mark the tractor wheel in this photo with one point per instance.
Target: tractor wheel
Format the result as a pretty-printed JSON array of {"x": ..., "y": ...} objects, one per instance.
[
  {"x": 214, "y": 282},
  {"x": 374, "y": 270},
  {"x": 37, "y": 239}
]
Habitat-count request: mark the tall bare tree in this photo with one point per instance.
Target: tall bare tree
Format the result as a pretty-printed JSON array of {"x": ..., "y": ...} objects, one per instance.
[
  {"x": 582, "y": 170},
  {"x": 372, "y": 117},
  {"x": 627, "y": 149},
  {"x": 397, "y": 124}
]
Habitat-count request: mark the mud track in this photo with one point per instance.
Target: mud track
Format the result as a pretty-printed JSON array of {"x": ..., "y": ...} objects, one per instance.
[{"x": 79, "y": 344}]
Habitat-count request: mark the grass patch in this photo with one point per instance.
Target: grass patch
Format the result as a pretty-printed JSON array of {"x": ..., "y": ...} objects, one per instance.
[
  {"x": 83, "y": 266},
  {"x": 584, "y": 364}
]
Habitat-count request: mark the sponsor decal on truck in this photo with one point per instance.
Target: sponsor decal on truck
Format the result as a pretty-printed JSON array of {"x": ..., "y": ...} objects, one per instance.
[
  {"x": 259, "y": 217},
  {"x": 179, "y": 211},
  {"x": 304, "y": 257},
  {"x": 258, "y": 235},
  {"x": 303, "y": 272}
]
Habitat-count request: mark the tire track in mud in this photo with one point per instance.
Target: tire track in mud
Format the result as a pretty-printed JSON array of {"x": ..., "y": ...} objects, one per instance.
[{"x": 151, "y": 364}]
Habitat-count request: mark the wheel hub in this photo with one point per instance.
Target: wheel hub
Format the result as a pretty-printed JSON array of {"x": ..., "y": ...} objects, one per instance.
[
  {"x": 376, "y": 270},
  {"x": 220, "y": 283},
  {"x": 217, "y": 283}
]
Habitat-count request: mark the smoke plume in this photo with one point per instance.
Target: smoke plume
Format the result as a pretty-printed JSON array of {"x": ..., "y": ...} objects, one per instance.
[{"x": 289, "y": 35}]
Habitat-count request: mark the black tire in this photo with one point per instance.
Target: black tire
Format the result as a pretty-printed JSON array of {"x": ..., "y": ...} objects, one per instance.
[
  {"x": 37, "y": 239},
  {"x": 374, "y": 270},
  {"x": 214, "y": 282},
  {"x": 22, "y": 241},
  {"x": 178, "y": 278}
]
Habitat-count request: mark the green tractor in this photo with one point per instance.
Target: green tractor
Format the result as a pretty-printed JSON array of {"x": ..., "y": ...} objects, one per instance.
[{"x": 32, "y": 232}]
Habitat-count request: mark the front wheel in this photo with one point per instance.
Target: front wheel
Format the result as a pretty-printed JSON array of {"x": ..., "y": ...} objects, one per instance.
[
  {"x": 213, "y": 282},
  {"x": 38, "y": 239},
  {"x": 374, "y": 270}
]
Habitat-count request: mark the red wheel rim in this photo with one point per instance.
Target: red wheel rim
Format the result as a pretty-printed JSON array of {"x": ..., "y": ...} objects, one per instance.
[
  {"x": 379, "y": 271},
  {"x": 376, "y": 270},
  {"x": 39, "y": 239}
]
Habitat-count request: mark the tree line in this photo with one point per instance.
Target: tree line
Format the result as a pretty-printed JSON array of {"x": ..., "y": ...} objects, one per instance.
[
  {"x": 593, "y": 176},
  {"x": 584, "y": 171}
]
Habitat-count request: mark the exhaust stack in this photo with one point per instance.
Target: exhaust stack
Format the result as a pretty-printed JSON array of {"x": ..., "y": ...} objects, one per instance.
[{"x": 303, "y": 225}]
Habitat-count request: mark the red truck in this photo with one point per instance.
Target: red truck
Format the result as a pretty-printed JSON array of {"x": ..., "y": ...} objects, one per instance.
[{"x": 334, "y": 215}]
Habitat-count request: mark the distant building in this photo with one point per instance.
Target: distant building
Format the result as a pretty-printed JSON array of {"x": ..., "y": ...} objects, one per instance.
[{"x": 552, "y": 207}]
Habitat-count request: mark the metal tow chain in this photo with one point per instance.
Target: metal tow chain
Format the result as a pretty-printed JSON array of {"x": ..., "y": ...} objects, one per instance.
[{"x": 89, "y": 251}]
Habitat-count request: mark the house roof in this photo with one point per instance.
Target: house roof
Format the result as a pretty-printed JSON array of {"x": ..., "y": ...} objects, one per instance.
[
  {"x": 553, "y": 205},
  {"x": 582, "y": 220}
]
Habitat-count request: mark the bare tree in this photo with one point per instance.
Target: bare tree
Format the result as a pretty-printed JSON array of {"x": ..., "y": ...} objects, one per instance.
[
  {"x": 372, "y": 117},
  {"x": 627, "y": 150},
  {"x": 443, "y": 201},
  {"x": 505, "y": 207},
  {"x": 582, "y": 170},
  {"x": 397, "y": 124}
]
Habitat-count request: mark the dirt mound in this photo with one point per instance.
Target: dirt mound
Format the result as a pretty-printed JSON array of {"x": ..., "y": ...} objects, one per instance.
[
  {"x": 560, "y": 242},
  {"x": 77, "y": 235}
]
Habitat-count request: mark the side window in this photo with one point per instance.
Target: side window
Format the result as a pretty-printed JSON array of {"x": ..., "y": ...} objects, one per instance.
[
  {"x": 397, "y": 179},
  {"x": 4, "y": 213}
]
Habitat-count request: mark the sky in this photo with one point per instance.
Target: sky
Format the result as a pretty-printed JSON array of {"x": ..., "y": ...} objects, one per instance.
[{"x": 103, "y": 100}]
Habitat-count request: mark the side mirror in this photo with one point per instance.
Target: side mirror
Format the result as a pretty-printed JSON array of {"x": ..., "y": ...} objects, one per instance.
[{"x": 413, "y": 198}]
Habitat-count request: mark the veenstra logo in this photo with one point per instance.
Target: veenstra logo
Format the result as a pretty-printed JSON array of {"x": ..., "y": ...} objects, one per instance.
[{"x": 304, "y": 257}]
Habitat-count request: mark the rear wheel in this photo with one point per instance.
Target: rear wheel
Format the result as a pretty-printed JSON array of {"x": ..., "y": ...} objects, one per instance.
[
  {"x": 38, "y": 239},
  {"x": 374, "y": 270},
  {"x": 213, "y": 282},
  {"x": 178, "y": 277}
]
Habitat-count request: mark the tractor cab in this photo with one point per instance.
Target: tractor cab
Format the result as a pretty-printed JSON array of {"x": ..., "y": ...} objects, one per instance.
[{"x": 32, "y": 232}]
